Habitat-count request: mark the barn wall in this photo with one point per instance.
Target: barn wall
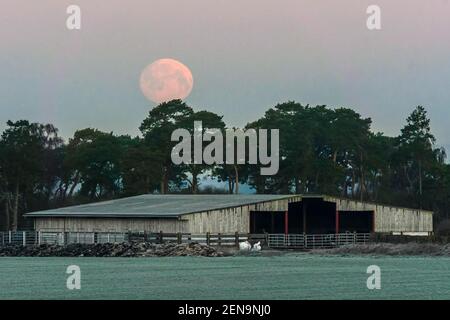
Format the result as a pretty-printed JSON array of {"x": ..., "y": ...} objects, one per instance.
[
  {"x": 110, "y": 224},
  {"x": 390, "y": 219},
  {"x": 232, "y": 220}
]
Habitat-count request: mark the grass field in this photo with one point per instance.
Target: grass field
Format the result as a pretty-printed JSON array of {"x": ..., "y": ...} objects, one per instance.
[{"x": 290, "y": 276}]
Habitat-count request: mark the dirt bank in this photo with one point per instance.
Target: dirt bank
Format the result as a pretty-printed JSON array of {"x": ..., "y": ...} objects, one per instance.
[{"x": 391, "y": 249}]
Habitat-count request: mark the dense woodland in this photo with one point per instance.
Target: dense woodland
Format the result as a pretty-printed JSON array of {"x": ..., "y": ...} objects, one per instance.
[{"x": 322, "y": 150}]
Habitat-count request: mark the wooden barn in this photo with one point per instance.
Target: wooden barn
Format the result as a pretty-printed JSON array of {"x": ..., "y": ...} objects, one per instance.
[{"x": 196, "y": 214}]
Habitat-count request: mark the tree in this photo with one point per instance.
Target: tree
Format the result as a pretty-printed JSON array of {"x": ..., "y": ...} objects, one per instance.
[
  {"x": 209, "y": 120},
  {"x": 141, "y": 169},
  {"x": 24, "y": 147},
  {"x": 416, "y": 148},
  {"x": 157, "y": 129},
  {"x": 94, "y": 158}
]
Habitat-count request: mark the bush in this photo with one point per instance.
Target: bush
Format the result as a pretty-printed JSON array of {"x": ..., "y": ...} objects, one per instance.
[{"x": 443, "y": 228}]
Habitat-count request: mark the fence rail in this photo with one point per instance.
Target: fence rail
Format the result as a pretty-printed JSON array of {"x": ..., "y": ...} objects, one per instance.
[
  {"x": 315, "y": 241},
  {"x": 27, "y": 238},
  {"x": 276, "y": 241}
]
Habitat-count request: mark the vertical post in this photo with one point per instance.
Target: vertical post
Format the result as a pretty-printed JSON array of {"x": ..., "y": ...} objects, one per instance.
[
  {"x": 24, "y": 238},
  {"x": 286, "y": 222},
  {"x": 179, "y": 238},
  {"x": 219, "y": 239},
  {"x": 208, "y": 238},
  {"x": 373, "y": 221},
  {"x": 337, "y": 221},
  {"x": 9, "y": 237},
  {"x": 161, "y": 237},
  {"x": 236, "y": 239},
  {"x": 39, "y": 238}
]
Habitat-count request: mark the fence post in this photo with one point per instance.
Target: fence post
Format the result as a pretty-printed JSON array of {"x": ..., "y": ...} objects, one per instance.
[
  {"x": 39, "y": 238},
  {"x": 24, "y": 238},
  {"x": 207, "y": 238},
  {"x": 219, "y": 239},
  {"x": 179, "y": 240},
  {"x": 236, "y": 239},
  {"x": 9, "y": 237},
  {"x": 161, "y": 237}
]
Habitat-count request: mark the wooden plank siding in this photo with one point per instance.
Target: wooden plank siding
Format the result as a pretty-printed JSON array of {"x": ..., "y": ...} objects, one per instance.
[
  {"x": 390, "y": 218},
  {"x": 110, "y": 224},
  {"x": 237, "y": 219}
]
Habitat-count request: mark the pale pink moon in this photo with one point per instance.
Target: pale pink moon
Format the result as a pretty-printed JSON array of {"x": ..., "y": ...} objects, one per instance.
[{"x": 165, "y": 80}]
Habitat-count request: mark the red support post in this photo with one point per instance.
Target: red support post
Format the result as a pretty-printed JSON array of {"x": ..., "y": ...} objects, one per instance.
[
  {"x": 337, "y": 221},
  {"x": 286, "y": 222}
]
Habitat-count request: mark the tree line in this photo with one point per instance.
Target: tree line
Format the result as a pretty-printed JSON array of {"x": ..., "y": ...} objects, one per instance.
[{"x": 322, "y": 151}]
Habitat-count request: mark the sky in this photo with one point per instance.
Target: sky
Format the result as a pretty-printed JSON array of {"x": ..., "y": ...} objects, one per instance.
[{"x": 245, "y": 56}]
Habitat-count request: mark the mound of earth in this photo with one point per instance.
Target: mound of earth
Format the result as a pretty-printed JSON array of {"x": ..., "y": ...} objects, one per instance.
[
  {"x": 132, "y": 249},
  {"x": 391, "y": 249}
]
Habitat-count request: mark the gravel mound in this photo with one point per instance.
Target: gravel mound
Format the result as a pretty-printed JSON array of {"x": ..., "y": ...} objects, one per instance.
[{"x": 132, "y": 249}]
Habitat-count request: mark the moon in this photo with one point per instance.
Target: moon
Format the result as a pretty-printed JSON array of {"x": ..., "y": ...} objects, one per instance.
[{"x": 166, "y": 79}]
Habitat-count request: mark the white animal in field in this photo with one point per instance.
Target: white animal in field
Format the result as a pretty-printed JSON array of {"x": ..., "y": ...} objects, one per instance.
[
  {"x": 245, "y": 246},
  {"x": 257, "y": 246}
]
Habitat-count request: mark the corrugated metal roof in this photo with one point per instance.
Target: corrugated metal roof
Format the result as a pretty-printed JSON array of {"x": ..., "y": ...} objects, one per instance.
[{"x": 154, "y": 206}]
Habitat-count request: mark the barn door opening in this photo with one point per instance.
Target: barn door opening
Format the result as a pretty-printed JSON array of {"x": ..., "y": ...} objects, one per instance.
[
  {"x": 267, "y": 222},
  {"x": 312, "y": 216},
  {"x": 356, "y": 221}
]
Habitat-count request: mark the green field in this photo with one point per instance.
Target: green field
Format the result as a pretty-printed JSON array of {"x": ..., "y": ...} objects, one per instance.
[{"x": 290, "y": 276}]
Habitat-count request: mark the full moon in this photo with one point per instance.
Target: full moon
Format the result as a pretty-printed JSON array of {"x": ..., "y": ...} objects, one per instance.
[{"x": 165, "y": 80}]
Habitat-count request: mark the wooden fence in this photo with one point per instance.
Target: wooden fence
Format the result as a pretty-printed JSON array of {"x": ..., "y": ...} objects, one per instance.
[
  {"x": 275, "y": 241},
  {"x": 63, "y": 238}
]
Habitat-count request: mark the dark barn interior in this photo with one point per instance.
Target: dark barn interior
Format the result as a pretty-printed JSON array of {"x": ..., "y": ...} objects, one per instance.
[
  {"x": 311, "y": 216},
  {"x": 356, "y": 221},
  {"x": 267, "y": 222}
]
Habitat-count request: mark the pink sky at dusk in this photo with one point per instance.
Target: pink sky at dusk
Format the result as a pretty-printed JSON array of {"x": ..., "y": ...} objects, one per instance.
[{"x": 245, "y": 56}]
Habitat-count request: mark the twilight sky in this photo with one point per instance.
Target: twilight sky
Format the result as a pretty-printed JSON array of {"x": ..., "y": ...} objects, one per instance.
[{"x": 245, "y": 57}]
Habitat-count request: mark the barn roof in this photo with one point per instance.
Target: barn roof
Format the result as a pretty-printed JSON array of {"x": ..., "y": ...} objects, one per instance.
[{"x": 157, "y": 206}]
